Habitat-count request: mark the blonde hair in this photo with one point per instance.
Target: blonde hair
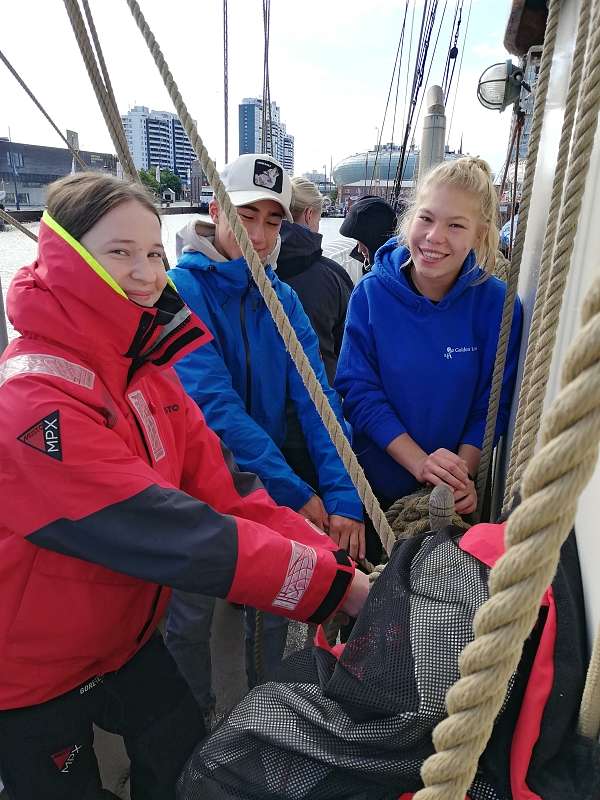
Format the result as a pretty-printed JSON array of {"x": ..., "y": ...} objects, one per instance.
[
  {"x": 304, "y": 195},
  {"x": 78, "y": 201},
  {"x": 473, "y": 175}
]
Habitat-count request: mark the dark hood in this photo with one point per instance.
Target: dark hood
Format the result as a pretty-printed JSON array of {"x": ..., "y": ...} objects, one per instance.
[{"x": 300, "y": 248}]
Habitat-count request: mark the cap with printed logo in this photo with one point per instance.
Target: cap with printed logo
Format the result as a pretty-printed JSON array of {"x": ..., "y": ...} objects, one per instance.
[{"x": 253, "y": 177}]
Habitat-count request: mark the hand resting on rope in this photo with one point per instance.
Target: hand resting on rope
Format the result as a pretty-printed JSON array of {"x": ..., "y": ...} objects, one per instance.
[
  {"x": 443, "y": 466},
  {"x": 465, "y": 500}
]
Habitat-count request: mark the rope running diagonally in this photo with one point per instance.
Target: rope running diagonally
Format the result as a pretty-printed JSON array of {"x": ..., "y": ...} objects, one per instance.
[
  {"x": 259, "y": 275},
  {"x": 511, "y": 288},
  {"x": 535, "y": 532},
  {"x": 110, "y": 113},
  {"x": 12, "y": 221},
  {"x": 572, "y": 169},
  {"x": 22, "y": 83},
  {"x": 131, "y": 169}
]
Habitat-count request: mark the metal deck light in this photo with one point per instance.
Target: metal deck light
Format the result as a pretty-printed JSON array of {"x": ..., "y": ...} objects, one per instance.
[{"x": 500, "y": 85}]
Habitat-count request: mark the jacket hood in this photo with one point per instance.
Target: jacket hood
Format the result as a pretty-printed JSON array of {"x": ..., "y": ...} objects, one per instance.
[
  {"x": 199, "y": 236},
  {"x": 68, "y": 298},
  {"x": 390, "y": 265},
  {"x": 300, "y": 248}
]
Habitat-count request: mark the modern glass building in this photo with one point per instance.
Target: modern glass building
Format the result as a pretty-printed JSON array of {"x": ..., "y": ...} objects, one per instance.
[{"x": 380, "y": 166}]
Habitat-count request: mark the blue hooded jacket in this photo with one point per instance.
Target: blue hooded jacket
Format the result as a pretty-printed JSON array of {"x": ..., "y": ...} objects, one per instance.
[
  {"x": 409, "y": 365},
  {"x": 242, "y": 379}
]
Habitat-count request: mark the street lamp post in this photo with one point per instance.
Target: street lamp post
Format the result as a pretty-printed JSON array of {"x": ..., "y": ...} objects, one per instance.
[{"x": 14, "y": 170}]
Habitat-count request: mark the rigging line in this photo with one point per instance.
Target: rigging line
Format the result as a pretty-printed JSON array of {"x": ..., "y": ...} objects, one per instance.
[
  {"x": 393, "y": 132},
  {"x": 398, "y": 65},
  {"x": 109, "y": 91},
  {"x": 400, "y": 165},
  {"x": 424, "y": 42},
  {"x": 226, "y": 79},
  {"x": 514, "y": 190},
  {"x": 430, "y": 65},
  {"x": 462, "y": 52},
  {"x": 24, "y": 86},
  {"x": 387, "y": 102},
  {"x": 453, "y": 36},
  {"x": 452, "y": 54},
  {"x": 425, "y": 51},
  {"x": 267, "y": 122},
  {"x": 405, "y": 107}
]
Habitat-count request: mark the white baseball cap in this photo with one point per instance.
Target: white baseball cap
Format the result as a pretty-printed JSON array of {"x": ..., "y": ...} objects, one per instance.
[{"x": 257, "y": 176}]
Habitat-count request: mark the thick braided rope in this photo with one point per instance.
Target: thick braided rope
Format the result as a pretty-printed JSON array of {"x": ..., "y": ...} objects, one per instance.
[
  {"x": 12, "y": 221},
  {"x": 560, "y": 258},
  {"x": 548, "y": 245},
  {"x": 272, "y": 301},
  {"x": 131, "y": 169},
  {"x": 535, "y": 532},
  {"x": 28, "y": 91},
  {"x": 110, "y": 114},
  {"x": 589, "y": 713},
  {"x": 517, "y": 252}
]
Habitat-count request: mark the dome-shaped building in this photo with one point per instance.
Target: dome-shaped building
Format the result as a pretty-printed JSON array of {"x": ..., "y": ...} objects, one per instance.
[
  {"x": 375, "y": 173},
  {"x": 359, "y": 167}
]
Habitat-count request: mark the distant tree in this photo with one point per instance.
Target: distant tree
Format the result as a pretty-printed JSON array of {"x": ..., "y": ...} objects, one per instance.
[
  {"x": 168, "y": 180},
  {"x": 333, "y": 195},
  {"x": 148, "y": 178}
]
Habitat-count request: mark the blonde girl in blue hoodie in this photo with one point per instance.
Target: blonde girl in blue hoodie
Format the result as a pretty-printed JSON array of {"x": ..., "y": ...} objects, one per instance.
[{"x": 418, "y": 353}]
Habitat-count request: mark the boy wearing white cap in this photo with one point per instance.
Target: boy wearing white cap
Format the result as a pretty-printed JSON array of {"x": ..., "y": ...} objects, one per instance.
[{"x": 242, "y": 382}]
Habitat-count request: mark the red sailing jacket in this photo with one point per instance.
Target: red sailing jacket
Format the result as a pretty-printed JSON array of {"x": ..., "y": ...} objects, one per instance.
[{"x": 113, "y": 487}]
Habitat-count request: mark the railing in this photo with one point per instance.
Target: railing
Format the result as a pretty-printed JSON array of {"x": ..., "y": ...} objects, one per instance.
[{"x": 339, "y": 250}]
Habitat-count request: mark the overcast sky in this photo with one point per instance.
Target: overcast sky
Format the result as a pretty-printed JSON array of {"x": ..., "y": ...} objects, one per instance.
[{"x": 330, "y": 67}]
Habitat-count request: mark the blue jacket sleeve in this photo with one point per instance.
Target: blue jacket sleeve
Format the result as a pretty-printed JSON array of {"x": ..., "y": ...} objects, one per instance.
[
  {"x": 358, "y": 378},
  {"x": 207, "y": 380},
  {"x": 335, "y": 487},
  {"x": 475, "y": 427}
]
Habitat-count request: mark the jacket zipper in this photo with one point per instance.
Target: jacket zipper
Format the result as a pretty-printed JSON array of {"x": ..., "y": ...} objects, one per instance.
[{"x": 247, "y": 350}]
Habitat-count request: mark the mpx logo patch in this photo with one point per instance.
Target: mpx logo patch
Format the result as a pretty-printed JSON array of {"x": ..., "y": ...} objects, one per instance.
[{"x": 44, "y": 436}]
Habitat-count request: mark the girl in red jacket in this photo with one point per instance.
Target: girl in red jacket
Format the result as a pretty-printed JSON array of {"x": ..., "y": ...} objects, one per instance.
[{"x": 113, "y": 491}]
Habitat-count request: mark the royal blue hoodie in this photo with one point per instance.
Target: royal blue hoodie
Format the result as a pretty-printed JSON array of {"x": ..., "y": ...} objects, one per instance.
[{"x": 409, "y": 365}]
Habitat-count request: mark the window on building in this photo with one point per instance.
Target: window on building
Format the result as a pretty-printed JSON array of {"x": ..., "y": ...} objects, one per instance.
[{"x": 14, "y": 159}]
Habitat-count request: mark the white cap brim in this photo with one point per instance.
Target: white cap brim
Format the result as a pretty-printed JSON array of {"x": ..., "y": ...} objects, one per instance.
[{"x": 248, "y": 197}]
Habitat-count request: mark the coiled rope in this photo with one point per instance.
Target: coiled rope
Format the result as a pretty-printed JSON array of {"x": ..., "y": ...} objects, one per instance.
[
  {"x": 567, "y": 195},
  {"x": 511, "y": 287},
  {"x": 259, "y": 275}
]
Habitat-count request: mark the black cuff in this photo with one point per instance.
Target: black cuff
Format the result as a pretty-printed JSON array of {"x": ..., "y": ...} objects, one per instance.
[{"x": 337, "y": 590}]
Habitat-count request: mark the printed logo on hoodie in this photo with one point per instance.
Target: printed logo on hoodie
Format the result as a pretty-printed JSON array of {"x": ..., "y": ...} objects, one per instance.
[{"x": 452, "y": 351}]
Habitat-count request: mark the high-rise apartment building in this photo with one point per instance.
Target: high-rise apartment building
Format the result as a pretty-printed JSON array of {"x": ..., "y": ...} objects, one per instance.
[
  {"x": 157, "y": 138},
  {"x": 251, "y": 133}
]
